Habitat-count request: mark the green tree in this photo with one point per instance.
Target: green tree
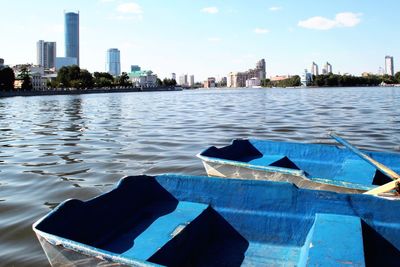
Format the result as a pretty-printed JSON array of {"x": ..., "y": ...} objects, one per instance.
[
  {"x": 397, "y": 77},
  {"x": 169, "y": 82},
  {"x": 86, "y": 79},
  {"x": 266, "y": 83},
  {"x": 7, "y": 78},
  {"x": 123, "y": 80},
  {"x": 159, "y": 82},
  {"x": 103, "y": 79},
  {"x": 103, "y": 82},
  {"x": 26, "y": 79}
]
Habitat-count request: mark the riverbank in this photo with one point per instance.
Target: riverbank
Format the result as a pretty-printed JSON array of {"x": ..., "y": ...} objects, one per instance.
[{"x": 69, "y": 91}]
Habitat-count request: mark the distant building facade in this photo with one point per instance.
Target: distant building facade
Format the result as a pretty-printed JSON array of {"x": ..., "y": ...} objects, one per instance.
[
  {"x": 314, "y": 69},
  {"x": 72, "y": 35},
  {"x": 46, "y": 54},
  {"x": 1, "y": 63},
  {"x": 113, "y": 62},
  {"x": 389, "y": 66},
  {"x": 173, "y": 76},
  {"x": 209, "y": 83},
  {"x": 36, "y": 73},
  {"x": 222, "y": 82},
  {"x": 135, "y": 68},
  {"x": 328, "y": 68},
  {"x": 65, "y": 62},
  {"x": 279, "y": 78},
  {"x": 253, "y": 82},
  {"x": 306, "y": 78},
  {"x": 143, "y": 78},
  {"x": 183, "y": 80},
  {"x": 191, "y": 80},
  {"x": 238, "y": 79}
]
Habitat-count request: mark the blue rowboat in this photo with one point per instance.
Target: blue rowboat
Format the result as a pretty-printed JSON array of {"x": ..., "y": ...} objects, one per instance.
[
  {"x": 314, "y": 166},
  {"x": 172, "y": 220}
]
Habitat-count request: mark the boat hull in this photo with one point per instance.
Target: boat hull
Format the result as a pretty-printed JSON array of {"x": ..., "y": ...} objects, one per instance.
[
  {"x": 313, "y": 166},
  {"x": 173, "y": 220},
  {"x": 240, "y": 172}
]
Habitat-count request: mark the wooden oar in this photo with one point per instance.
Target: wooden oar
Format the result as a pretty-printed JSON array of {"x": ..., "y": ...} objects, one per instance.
[{"x": 389, "y": 172}]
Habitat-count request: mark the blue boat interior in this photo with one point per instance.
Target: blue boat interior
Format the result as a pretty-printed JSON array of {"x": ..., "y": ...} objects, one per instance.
[
  {"x": 317, "y": 161},
  {"x": 199, "y": 221}
]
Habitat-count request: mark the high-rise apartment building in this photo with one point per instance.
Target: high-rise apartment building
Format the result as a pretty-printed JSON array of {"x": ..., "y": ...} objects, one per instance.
[
  {"x": 46, "y": 54},
  {"x": 191, "y": 80},
  {"x": 238, "y": 79},
  {"x": 314, "y": 69},
  {"x": 72, "y": 35},
  {"x": 183, "y": 80},
  {"x": 328, "y": 68},
  {"x": 260, "y": 67},
  {"x": 113, "y": 62},
  {"x": 389, "y": 66},
  {"x": 173, "y": 76}
]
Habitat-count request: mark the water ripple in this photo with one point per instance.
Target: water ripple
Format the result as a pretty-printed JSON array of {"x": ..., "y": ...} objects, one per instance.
[{"x": 58, "y": 147}]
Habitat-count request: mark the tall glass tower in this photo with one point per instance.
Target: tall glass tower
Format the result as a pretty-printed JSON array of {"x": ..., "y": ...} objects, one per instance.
[
  {"x": 72, "y": 35},
  {"x": 113, "y": 62}
]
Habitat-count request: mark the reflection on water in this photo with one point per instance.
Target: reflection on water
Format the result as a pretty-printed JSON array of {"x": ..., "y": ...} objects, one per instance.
[{"x": 58, "y": 147}]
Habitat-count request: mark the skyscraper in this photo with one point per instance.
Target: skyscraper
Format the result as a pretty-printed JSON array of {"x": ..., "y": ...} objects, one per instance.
[
  {"x": 314, "y": 69},
  {"x": 72, "y": 35},
  {"x": 328, "y": 67},
  {"x": 46, "y": 54},
  {"x": 389, "y": 66},
  {"x": 113, "y": 62},
  {"x": 191, "y": 80},
  {"x": 261, "y": 68},
  {"x": 183, "y": 80}
]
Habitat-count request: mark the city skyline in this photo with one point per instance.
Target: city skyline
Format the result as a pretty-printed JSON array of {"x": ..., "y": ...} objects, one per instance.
[{"x": 206, "y": 38}]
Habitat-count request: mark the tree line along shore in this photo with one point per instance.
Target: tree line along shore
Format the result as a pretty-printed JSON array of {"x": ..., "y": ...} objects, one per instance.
[{"x": 76, "y": 78}]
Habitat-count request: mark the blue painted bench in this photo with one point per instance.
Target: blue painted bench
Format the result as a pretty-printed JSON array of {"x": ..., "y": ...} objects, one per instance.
[
  {"x": 356, "y": 171},
  {"x": 334, "y": 240},
  {"x": 164, "y": 229}
]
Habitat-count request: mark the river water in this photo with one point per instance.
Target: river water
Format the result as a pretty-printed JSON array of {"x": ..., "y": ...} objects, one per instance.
[{"x": 57, "y": 147}]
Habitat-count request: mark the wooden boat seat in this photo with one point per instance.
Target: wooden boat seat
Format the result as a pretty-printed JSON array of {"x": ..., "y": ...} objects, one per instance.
[
  {"x": 163, "y": 230},
  {"x": 334, "y": 237},
  {"x": 356, "y": 171}
]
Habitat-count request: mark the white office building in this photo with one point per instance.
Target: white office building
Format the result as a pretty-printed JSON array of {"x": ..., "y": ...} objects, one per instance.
[
  {"x": 328, "y": 68},
  {"x": 389, "y": 66},
  {"x": 314, "y": 69},
  {"x": 191, "y": 80}
]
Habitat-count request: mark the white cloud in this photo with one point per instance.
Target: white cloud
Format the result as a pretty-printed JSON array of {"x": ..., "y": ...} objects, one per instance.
[
  {"x": 345, "y": 19},
  {"x": 261, "y": 31},
  {"x": 129, "y": 8},
  {"x": 106, "y": 1},
  {"x": 275, "y": 8},
  {"x": 214, "y": 39},
  {"x": 210, "y": 10},
  {"x": 348, "y": 19}
]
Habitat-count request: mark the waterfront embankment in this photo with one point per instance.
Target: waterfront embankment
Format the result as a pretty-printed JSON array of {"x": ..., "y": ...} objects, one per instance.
[{"x": 69, "y": 91}]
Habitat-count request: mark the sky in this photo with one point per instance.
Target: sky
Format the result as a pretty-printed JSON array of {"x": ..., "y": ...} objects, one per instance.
[{"x": 210, "y": 38}]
